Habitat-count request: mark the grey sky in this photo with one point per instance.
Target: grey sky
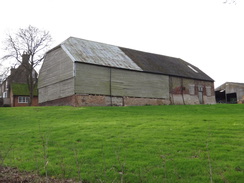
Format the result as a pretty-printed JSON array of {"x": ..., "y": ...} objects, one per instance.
[{"x": 207, "y": 33}]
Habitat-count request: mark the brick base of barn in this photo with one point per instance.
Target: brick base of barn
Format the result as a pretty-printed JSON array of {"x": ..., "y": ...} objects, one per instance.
[
  {"x": 186, "y": 99},
  {"x": 101, "y": 100}
]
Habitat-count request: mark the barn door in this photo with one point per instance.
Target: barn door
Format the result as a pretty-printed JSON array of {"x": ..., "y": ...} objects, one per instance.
[{"x": 200, "y": 94}]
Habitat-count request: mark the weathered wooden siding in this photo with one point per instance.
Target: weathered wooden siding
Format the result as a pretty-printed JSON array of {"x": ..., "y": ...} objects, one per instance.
[
  {"x": 56, "y": 76},
  {"x": 139, "y": 84},
  {"x": 92, "y": 79},
  {"x": 56, "y": 67},
  {"x": 57, "y": 90}
]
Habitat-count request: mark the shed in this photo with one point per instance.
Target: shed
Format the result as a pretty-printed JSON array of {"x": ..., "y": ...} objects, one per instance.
[
  {"x": 230, "y": 92},
  {"x": 79, "y": 72}
]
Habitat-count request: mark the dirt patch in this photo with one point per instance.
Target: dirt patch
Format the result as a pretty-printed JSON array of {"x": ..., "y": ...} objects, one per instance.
[{"x": 13, "y": 175}]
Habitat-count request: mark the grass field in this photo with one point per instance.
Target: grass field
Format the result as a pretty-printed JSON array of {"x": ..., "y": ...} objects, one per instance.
[{"x": 195, "y": 143}]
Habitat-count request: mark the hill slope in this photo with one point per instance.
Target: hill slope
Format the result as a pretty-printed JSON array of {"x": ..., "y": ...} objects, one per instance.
[{"x": 200, "y": 143}]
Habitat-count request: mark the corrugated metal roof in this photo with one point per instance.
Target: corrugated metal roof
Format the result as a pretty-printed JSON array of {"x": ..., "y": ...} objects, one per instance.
[{"x": 97, "y": 53}]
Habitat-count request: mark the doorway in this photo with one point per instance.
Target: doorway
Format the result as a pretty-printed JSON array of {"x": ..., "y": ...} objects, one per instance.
[
  {"x": 231, "y": 98},
  {"x": 200, "y": 94}
]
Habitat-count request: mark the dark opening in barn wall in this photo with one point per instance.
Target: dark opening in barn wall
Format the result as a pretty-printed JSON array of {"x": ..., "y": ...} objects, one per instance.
[
  {"x": 231, "y": 98},
  {"x": 222, "y": 97}
]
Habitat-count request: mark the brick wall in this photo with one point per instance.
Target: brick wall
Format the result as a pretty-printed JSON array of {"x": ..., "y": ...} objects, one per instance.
[
  {"x": 130, "y": 101},
  {"x": 186, "y": 91},
  {"x": 15, "y": 102},
  {"x": 102, "y": 100}
]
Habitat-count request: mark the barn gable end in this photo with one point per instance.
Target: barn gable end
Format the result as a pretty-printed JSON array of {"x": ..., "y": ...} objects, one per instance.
[{"x": 56, "y": 78}]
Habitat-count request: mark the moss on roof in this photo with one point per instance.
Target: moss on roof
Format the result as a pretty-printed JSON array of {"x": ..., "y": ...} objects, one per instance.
[{"x": 22, "y": 89}]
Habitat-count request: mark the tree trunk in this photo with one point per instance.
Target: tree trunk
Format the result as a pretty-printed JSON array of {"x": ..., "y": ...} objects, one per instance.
[
  {"x": 31, "y": 83},
  {"x": 31, "y": 97}
]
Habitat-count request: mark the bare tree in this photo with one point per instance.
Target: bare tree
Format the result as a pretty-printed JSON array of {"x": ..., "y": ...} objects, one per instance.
[
  {"x": 3, "y": 73},
  {"x": 31, "y": 43}
]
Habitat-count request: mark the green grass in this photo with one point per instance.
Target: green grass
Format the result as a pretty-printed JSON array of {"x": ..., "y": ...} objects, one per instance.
[{"x": 198, "y": 143}]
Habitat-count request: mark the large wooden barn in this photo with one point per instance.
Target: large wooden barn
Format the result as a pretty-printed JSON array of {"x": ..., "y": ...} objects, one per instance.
[{"x": 85, "y": 73}]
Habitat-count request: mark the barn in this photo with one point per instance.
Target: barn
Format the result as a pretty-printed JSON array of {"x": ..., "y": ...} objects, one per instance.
[{"x": 79, "y": 72}]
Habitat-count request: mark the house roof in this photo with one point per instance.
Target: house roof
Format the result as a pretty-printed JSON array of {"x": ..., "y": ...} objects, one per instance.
[
  {"x": 80, "y": 50},
  {"x": 20, "y": 74},
  {"x": 22, "y": 89}
]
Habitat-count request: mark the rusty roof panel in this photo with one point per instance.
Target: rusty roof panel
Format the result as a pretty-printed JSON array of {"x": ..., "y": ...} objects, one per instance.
[{"x": 97, "y": 53}]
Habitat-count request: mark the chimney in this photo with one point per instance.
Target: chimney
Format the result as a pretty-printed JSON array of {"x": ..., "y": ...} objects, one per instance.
[{"x": 25, "y": 58}]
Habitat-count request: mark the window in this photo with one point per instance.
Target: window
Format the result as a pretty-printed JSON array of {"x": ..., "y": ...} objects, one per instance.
[
  {"x": 5, "y": 95},
  {"x": 208, "y": 91},
  {"x": 192, "y": 89},
  {"x": 192, "y": 69},
  {"x": 23, "y": 99},
  {"x": 200, "y": 88}
]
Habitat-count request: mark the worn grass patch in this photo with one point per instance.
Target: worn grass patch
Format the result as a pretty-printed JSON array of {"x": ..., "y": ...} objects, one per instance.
[{"x": 200, "y": 143}]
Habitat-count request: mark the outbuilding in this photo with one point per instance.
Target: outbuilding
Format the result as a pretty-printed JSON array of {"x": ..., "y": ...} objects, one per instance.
[
  {"x": 79, "y": 72},
  {"x": 230, "y": 92}
]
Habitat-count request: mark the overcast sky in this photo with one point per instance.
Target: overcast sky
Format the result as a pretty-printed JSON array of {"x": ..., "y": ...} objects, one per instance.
[{"x": 206, "y": 33}]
